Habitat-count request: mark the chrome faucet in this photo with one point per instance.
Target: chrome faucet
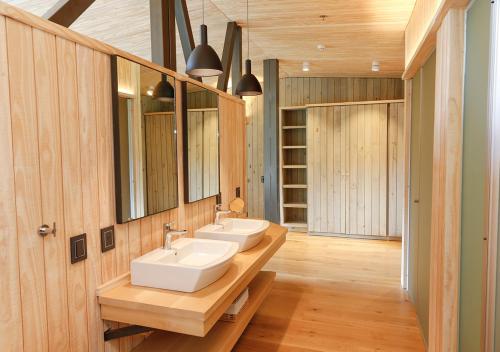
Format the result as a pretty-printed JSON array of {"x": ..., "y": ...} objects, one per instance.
[
  {"x": 219, "y": 213},
  {"x": 168, "y": 232}
]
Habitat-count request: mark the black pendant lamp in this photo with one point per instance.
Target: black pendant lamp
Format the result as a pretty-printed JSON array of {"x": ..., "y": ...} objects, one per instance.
[
  {"x": 203, "y": 60},
  {"x": 249, "y": 84},
  {"x": 164, "y": 91}
]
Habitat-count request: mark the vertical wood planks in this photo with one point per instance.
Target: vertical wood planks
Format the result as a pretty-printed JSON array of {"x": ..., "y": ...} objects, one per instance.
[
  {"x": 90, "y": 189},
  {"x": 46, "y": 83},
  {"x": 347, "y": 168},
  {"x": 27, "y": 184},
  {"x": 10, "y": 308},
  {"x": 72, "y": 188}
]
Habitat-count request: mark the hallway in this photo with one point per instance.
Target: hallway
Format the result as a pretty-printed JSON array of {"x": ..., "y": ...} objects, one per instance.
[{"x": 334, "y": 294}]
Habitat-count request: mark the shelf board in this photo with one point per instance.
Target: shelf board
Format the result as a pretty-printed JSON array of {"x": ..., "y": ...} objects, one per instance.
[
  {"x": 294, "y": 166},
  {"x": 223, "y": 335},
  {"x": 294, "y": 186},
  {"x": 295, "y": 224},
  {"x": 294, "y": 147},
  {"x": 294, "y": 127},
  {"x": 295, "y": 205}
]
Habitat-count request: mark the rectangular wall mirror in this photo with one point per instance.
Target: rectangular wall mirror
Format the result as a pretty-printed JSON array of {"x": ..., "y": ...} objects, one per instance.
[
  {"x": 200, "y": 125},
  {"x": 145, "y": 140}
]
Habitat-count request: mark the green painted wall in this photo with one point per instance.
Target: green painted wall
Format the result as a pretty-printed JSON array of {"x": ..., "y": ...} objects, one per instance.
[
  {"x": 422, "y": 137},
  {"x": 474, "y": 173}
]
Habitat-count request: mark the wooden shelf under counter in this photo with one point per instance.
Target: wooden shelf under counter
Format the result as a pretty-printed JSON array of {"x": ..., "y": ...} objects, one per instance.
[
  {"x": 187, "y": 313},
  {"x": 223, "y": 335}
]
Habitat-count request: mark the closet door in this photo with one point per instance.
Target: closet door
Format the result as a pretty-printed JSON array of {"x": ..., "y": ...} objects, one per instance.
[{"x": 347, "y": 169}]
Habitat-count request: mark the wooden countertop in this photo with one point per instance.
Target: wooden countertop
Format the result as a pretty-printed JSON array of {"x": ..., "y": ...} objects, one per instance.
[{"x": 188, "y": 313}]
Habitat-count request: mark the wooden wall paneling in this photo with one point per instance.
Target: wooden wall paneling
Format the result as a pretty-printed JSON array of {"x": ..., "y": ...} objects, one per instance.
[
  {"x": 90, "y": 190},
  {"x": 27, "y": 184},
  {"x": 72, "y": 188},
  {"x": 55, "y": 250},
  {"x": 146, "y": 238},
  {"x": 322, "y": 174},
  {"x": 337, "y": 171},
  {"x": 330, "y": 154},
  {"x": 10, "y": 296},
  {"x": 400, "y": 169},
  {"x": 361, "y": 171},
  {"x": 406, "y": 175},
  {"x": 344, "y": 180},
  {"x": 393, "y": 154},
  {"x": 383, "y": 166},
  {"x": 352, "y": 224},
  {"x": 105, "y": 156},
  {"x": 105, "y": 167},
  {"x": 446, "y": 184}
]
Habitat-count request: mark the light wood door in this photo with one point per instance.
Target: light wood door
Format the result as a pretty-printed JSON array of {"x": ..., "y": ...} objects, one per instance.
[{"x": 355, "y": 169}]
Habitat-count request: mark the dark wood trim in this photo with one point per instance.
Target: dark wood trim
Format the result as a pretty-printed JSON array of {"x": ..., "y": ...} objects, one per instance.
[
  {"x": 65, "y": 12},
  {"x": 163, "y": 43},
  {"x": 271, "y": 141},
  {"x": 227, "y": 56},
  {"x": 185, "y": 158},
  {"x": 116, "y": 139},
  {"x": 237, "y": 62}
]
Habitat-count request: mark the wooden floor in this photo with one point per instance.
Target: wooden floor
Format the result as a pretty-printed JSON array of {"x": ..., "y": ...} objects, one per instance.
[{"x": 334, "y": 294}]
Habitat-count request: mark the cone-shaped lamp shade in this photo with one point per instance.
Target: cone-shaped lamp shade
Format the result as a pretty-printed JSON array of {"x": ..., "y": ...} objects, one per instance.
[
  {"x": 164, "y": 91},
  {"x": 248, "y": 84},
  {"x": 203, "y": 60}
]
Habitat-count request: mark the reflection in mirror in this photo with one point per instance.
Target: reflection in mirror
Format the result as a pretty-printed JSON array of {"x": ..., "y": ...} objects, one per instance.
[
  {"x": 145, "y": 140},
  {"x": 201, "y": 142}
]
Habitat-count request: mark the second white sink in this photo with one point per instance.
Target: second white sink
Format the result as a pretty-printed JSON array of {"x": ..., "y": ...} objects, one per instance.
[
  {"x": 246, "y": 232},
  {"x": 191, "y": 265}
]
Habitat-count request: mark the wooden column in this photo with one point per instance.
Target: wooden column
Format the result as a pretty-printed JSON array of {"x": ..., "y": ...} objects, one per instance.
[
  {"x": 236, "y": 60},
  {"x": 447, "y": 185},
  {"x": 162, "y": 15},
  {"x": 271, "y": 140}
]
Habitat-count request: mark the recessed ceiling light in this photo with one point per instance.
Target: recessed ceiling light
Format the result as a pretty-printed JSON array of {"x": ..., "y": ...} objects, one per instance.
[
  {"x": 375, "y": 66},
  {"x": 305, "y": 66},
  {"x": 321, "y": 47}
]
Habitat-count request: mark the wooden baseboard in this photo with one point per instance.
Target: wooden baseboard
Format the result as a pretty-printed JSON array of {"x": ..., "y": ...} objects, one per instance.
[{"x": 359, "y": 237}]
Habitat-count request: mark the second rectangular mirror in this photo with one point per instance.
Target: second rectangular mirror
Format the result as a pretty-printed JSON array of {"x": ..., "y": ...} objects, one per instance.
[{"x": 201, "y": 142}]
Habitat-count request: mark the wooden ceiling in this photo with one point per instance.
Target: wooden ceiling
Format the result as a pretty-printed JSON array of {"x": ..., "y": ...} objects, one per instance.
[{"x": 355, "y": 32}]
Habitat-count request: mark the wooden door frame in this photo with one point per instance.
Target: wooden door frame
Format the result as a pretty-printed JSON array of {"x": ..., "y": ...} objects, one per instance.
[{"x": 493, "y": 180}]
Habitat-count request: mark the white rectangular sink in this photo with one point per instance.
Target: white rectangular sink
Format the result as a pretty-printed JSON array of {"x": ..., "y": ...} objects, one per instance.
[
  {"x": 189, "y": 266},
  {"x": 246, "y": 232}
]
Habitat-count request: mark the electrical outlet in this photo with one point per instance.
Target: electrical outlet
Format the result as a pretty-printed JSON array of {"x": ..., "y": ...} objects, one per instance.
[
  {"x": 107, "y": 238},
  {"x": 78, "y": 247}
]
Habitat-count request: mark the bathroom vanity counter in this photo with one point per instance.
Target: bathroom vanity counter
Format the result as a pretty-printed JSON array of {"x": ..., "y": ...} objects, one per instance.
[{"x": 193, "y": 313}]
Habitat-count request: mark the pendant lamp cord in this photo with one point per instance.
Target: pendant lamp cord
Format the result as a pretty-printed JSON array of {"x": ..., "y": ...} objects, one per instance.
[
  {"x": 248, "y": 35},
  {"x": 203, "y": 11}
]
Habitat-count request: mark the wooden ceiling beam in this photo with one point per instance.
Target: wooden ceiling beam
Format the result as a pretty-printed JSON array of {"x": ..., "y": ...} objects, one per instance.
[
  {"x": 227, "y": 56},
  {"x": 65, "y": 12},
  {"x": 185, "y": 30},
  {"x": 163, "y": 44},
  {"x": 236, "y": 65}
]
